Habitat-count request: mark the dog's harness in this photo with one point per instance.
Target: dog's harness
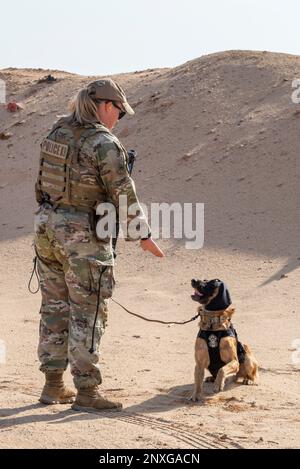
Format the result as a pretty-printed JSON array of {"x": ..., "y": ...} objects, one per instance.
[
  {"x": 214, "y": 320},
  {"x": 212, "y": 339}
]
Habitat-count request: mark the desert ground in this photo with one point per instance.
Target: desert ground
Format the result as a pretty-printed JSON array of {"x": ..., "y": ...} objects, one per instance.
[{"x": 220, "y": 130}]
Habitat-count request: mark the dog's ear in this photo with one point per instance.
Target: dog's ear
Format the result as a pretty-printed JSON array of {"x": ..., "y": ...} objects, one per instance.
[{"x": 215, "y": 283}]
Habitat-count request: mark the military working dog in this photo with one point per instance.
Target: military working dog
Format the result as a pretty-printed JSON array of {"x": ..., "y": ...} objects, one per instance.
[{"x": 217, "y": 348}]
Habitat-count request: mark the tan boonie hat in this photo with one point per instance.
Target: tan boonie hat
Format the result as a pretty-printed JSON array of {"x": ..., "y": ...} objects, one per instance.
[{"x": 110, "y": 90}]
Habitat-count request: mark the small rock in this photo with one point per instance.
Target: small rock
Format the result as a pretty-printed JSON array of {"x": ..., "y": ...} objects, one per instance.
[
  {"x": 14, "y": 107},
  {"x": 19, "y": 122},
  {"x": 47, "y": 79},
  {"x": 5, "y": 135},
  {"x": 187, "y": 156}
]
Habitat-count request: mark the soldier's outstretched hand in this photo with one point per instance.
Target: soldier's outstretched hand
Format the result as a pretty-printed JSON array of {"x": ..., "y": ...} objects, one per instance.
[{"x": 151, "y": 246}]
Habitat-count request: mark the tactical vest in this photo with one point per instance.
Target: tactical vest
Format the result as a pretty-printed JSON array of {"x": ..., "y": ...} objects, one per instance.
[
  {"x": 213, "y": 339},
  {"x": 61, "y": 179}
]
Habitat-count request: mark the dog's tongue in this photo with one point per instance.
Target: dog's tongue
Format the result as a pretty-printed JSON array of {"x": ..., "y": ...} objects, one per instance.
[{"x": 198, "y": 293}]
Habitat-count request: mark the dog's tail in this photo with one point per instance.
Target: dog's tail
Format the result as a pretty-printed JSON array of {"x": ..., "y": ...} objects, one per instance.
[{"x": 253, "y": 375}]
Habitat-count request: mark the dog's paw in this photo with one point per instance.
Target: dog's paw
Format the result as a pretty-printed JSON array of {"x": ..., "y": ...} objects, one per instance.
[
  {"x": 248, "y": 382},
  {"x": 210, "y": 379},
  {"x": 195, "y": 398},
  {"x": 218, "y": 387}
]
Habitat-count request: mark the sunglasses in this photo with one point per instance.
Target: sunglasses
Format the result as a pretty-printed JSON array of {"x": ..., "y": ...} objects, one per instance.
[{"x": 121, "y": 113}]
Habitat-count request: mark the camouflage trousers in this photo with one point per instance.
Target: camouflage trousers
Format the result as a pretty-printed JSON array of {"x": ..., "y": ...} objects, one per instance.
[{"x": 76, "y": 278}]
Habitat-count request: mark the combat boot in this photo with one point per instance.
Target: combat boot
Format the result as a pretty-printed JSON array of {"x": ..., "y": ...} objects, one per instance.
[
  {"x": 55, "y": 391},
  {"x": 90, "y": 399}
]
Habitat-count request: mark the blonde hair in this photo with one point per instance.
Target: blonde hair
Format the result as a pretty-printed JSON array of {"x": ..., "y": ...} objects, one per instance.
[{"x": 83, "y": 109}]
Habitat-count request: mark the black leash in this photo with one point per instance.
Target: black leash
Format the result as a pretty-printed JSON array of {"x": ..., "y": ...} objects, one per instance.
[
  {"x": 92, "y": 349},
  {"x": 180, "y": 323},
  {"x": 34, "y": 272}
]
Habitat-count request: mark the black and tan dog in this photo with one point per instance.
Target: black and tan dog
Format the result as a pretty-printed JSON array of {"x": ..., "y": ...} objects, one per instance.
[{"x": 217, "y": 348}]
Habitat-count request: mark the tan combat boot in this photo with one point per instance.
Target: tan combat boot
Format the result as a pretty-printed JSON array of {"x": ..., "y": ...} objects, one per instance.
[
  {"x": 89, "y": 399},
  {"x": 55, "y": 391}
]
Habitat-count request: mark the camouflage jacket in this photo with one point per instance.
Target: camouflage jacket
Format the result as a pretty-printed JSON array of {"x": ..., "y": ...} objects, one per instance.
[{"x": 101, "y": 169}]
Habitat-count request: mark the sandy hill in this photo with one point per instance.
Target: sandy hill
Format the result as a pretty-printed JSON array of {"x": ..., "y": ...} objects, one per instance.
[{"x": 221, "y": 130}]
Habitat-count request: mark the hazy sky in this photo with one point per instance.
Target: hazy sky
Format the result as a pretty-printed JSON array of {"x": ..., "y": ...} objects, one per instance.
[{"x": 95, "y": 37}]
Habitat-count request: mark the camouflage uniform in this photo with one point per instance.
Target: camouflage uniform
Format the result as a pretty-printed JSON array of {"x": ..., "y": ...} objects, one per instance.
[{"x": 72, "y": 260}]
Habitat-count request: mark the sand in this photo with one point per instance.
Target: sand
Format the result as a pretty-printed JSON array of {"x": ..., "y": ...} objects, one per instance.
[{"x": 220, "y": 130}]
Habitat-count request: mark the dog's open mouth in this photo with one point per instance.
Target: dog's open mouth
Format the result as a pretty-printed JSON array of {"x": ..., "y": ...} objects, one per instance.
[
  {"x": 198, "y": 293},
  {"x": 197, "y": 296}
]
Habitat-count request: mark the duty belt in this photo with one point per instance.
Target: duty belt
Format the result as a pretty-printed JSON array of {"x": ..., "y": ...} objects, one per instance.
[{"x": 73, "y": 208}]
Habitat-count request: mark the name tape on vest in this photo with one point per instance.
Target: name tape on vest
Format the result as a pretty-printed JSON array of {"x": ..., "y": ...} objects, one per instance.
[{"x": 59, "y": 150}]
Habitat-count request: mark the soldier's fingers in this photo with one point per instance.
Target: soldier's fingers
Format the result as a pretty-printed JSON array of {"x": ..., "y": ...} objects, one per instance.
[{"x": 155, "y": 250}]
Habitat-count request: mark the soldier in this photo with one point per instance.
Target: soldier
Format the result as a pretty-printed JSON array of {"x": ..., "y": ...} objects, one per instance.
[{"x": 81, "y": 165}]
